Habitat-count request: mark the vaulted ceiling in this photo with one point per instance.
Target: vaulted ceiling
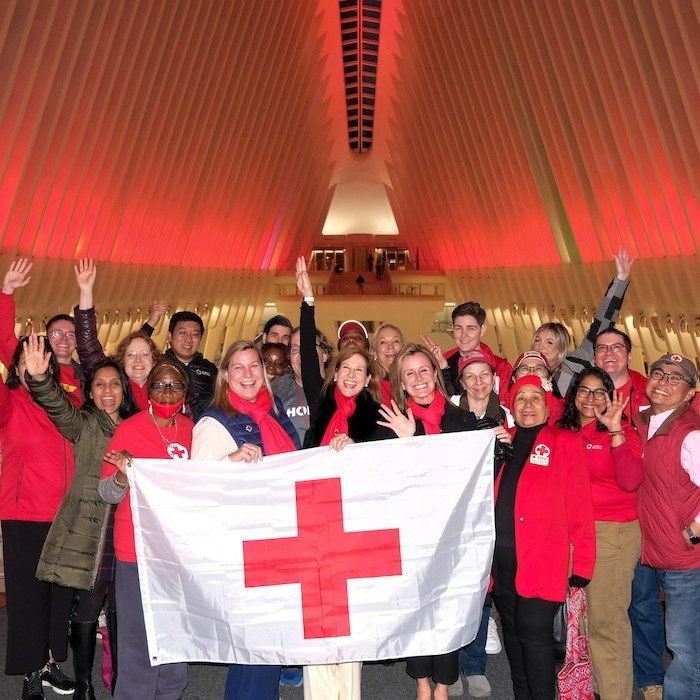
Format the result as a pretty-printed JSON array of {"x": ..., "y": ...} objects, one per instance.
[{"x": 213, "y": 134}]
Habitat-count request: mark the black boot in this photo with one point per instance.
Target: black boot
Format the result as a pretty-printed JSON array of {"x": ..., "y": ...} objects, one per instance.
[
  {"x": 112, "y": 633},
  {"x": 82, "y": 641}
]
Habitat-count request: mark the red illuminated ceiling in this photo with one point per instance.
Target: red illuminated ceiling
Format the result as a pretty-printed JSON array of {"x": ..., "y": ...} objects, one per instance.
[{"x": 200, "y": 133}]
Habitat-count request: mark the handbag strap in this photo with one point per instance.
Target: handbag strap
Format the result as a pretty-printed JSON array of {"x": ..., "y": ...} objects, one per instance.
[{"x": 578, "y": 611}]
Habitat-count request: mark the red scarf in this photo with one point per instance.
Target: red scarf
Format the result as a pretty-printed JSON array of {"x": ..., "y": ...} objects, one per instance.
[
  {"x": 274, "y": 437},
  {"x": 140, "y": 395},
  {"x": 345, "y": 407},
  {"x": 430, "y": 415}
]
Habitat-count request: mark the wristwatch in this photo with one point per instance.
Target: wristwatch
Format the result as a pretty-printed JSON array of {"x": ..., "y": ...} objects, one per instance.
[{"x": 694, "y": 539}]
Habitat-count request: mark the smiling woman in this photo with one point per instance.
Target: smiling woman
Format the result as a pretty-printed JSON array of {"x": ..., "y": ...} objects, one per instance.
[{"x": 244, "y": 424}]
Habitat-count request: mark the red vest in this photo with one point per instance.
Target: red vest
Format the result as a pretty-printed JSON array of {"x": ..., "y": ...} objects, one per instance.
[{"x": 668, "y": 499}]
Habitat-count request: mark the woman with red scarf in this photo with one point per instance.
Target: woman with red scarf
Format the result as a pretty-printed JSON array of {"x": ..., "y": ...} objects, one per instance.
[
  {"x": 244, "y": 424},
  {"x": 158, "y": 433},
  {"x": 420, "y": 406}
]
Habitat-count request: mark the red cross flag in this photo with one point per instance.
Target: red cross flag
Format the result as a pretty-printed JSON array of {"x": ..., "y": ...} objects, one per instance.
[{"x": 380, "y": 551}]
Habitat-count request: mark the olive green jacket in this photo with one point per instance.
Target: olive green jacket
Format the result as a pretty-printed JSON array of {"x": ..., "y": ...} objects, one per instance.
[{"x": 73, "y": 548}]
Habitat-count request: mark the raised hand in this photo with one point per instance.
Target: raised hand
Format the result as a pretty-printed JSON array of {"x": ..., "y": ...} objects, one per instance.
[
  {"x": 85, "y": 273},
  {"x": 155, "y": 312},
  {"x": 402, "y": 425},
  {"x": 611, "y": 418},
  {"x": 623, "y": 262},
  {"x": 17, "y": 276},
  {"x": 435, "y": 350},
  {"x": 303, "y": 281},
  {"x": 36, "y": 359}
]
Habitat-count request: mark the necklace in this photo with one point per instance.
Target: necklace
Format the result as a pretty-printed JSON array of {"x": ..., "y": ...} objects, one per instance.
[{"x": 174, "y": 449}]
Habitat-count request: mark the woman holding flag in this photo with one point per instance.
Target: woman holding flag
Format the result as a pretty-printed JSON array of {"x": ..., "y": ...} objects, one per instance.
[
  {"x": 420, "y": 406},
  {"x": 244, "y": 424}
]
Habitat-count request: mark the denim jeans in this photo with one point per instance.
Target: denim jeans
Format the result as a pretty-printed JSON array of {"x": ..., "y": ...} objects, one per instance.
[
  {"x": 682, "y": 592},
  {"x": 647, "y": 620},
  {"x": 472, "y": 658}
]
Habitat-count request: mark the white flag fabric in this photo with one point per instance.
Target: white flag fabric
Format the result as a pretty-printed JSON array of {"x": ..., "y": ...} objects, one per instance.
[{"x": 379, "y": 551}]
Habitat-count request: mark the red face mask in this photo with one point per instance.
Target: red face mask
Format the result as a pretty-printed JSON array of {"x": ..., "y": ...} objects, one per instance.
[{"x": 165, "y": 411}]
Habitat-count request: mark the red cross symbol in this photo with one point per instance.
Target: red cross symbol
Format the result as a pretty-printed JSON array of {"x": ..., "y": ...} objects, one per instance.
[
  {"x": 322, "y": 557},
  {"x": 177, "y": 451},
  {"x": 542, "y": 450}
]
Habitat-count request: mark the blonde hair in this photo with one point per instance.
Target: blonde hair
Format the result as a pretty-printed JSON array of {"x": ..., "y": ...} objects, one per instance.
[
  {"x": 562, "y": 337},
  {"x": 384, "y": 326},
  {"x": 221, "y": 400},
  {"x": 373, "y": 370},
  {"x": 397, "y": 392}
]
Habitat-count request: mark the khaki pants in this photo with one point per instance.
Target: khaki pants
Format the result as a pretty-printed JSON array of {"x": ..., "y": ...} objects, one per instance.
[
  {"x": 333, "y": 681},
  {"x": 609, "y": 593}
]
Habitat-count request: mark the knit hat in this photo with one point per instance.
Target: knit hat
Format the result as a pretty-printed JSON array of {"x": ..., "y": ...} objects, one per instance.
[
  {"x": 531, "y": 355},
  {"x": 476, "y": 356},
  {"x": 351, "y": 325},
  {"x": 534, "y": 380},
  {"x": 684, "y": 366}
]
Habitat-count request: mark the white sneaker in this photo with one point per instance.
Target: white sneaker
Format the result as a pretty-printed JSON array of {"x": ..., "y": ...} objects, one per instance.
[
  {"x": 456, "y": 690},
  {"x": 493, "y": 642},
  {"x": 479, "y": 686}
]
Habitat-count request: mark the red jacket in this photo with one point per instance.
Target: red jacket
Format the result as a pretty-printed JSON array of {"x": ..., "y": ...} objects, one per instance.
[
  {"x": 37, "y": 462},
  {"x": 139, "y": 436},
  {"x": 553, "y": 510}
]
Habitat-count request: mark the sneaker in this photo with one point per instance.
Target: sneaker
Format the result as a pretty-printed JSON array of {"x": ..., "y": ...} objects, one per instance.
[
  {"x": 32, "y": 688},
  {"x": 479, "y": 686},
  {"x": 493, "y": 641},
  {"x": 292, "y": 675},
  {"x": 653, "y": 692},
  {"x": 456, "y": 690},
  {"x": 59, "y": 681}
]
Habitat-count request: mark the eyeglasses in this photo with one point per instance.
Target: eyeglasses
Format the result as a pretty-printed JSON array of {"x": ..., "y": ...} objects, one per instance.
[
  {"x": 584, "y": 392},
  {"x": 524, "y": 370},
  {"x": 615, "y": 347},
  {"x": 673, "y": 379},
  {"x": 134, "y": 355},
  {"x": 175, "y": 387},
  {"x": 182, "y": 334},
  {"x": 56, "y": 335}
]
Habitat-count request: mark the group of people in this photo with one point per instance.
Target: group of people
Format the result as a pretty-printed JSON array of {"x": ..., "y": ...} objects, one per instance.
[{"x": 595, "y": 465}]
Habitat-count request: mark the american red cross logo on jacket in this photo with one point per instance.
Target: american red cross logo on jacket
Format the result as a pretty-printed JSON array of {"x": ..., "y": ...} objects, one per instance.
[
  {"x": 321, "y": 558},
  {"x": 542, "y": 450}
]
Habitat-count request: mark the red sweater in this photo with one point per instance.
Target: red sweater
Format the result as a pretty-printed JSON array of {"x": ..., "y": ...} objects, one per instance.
[
  {"x": 615, "y": 473},
  {"x": 140, "y": 437},
  {"x": 37, "y": 462},
  {"x": 553, "y": 510},
  {"x": 140, "y": 395}
]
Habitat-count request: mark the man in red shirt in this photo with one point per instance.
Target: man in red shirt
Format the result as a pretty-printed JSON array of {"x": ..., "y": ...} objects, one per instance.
[
  {"x": 468, "y": 328},
  {"x": 612, "y": 354}
]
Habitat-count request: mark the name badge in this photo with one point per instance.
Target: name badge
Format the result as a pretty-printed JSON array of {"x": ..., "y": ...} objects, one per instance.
[{"x": 540, "y": 455}]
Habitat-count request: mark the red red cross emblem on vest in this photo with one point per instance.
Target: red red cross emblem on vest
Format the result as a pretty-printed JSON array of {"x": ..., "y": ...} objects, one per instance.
[{"x": 322, "y": 557}]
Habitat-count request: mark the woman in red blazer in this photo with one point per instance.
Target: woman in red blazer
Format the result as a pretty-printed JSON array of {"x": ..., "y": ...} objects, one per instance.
[{"x": 543, "y": 508}]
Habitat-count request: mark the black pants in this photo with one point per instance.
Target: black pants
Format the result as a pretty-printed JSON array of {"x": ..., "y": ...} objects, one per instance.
[
  {"x": 528, "y": 636},
  {"x": 37, "y": 612},
  {"x": 89, "y": 604},
  {"x": 442, "y": 668}
]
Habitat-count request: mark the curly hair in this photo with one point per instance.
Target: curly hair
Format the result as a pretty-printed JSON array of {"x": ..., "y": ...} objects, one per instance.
[
  {"x": 570, "y": 418},
  {"x": 120, "y": 352}
]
